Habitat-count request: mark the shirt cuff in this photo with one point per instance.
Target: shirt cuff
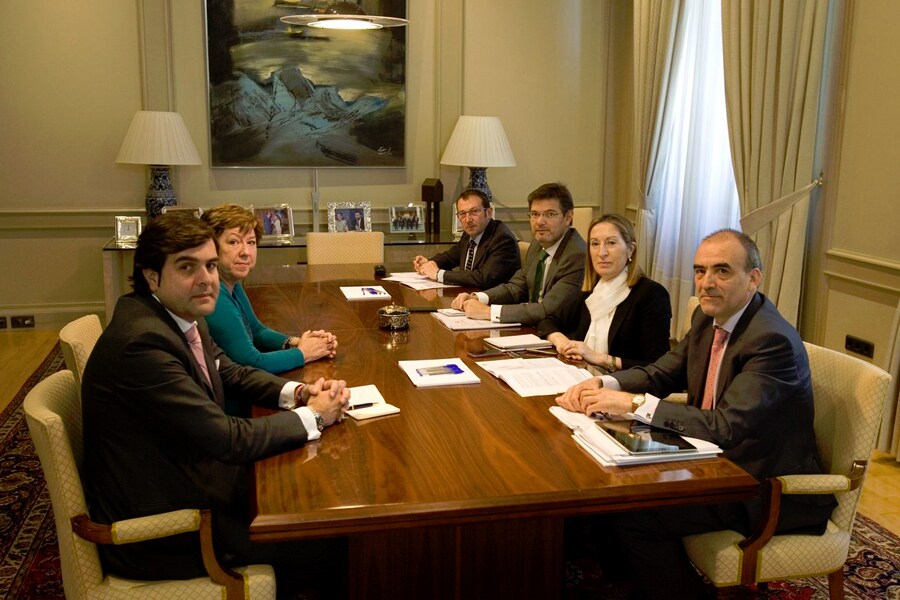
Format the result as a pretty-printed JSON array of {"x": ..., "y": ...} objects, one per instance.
[
  {"x": 610, "y": 383},
  {"x": 288, "y": 397},
  {"x": 440, "y": 276},
  {"x": 482, "y": 297},
  {"x": 645, "y": 412},
  {"x": 309, "y": 422},
  {"x": 495, "y": 313}
]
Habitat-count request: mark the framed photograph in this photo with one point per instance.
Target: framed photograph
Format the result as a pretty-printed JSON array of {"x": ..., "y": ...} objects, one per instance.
[
  {"x": 407, "y": 219},
  {"x": 288, "y": 95},
  {"x": 277, "y": 222},
  {"x": 127, "y": 231},
  {"x": 349, "y": 216}
]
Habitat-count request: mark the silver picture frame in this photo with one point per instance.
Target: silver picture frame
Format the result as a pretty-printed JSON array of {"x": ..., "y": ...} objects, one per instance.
[
  {"x": 349, "y": 216},
  {"x": 128, "y": 230},
  {"x": 277, "y": 221}
]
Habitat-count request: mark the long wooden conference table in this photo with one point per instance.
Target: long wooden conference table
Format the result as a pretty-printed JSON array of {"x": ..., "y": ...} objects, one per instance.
[{"x": 464, "y": 492}]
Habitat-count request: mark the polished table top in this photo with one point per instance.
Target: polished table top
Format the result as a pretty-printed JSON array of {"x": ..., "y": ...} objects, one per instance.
[{"x": 452, "y": 455}]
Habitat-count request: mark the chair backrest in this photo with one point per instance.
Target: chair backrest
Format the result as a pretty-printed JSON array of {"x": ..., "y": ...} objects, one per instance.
[
  {"x": 77, "y": 340},
  {"x": 53, "y": 412},
  {"x": 344, "y": 248},
  {"x": 581, "y": 219},
  {"x": 523, "y": 250},
  {"x": 849, "y": 395}
]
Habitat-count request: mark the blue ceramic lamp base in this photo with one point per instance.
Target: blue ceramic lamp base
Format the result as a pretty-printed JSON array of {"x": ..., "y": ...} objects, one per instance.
[{"x": 160, "y": 193}]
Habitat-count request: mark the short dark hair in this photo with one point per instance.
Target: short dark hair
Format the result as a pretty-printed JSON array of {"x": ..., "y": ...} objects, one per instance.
[
  {"x": 229, "y": 216},
  {"x": 167, "y": 234},
  {"x": 553, "y": 191},
  {"x": 753, "y": 258},
  {"x": 485, "y": 201}
]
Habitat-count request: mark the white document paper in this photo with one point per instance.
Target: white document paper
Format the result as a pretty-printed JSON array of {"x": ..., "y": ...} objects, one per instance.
[
  {"x": 365, "y": 292},
  {"x": 465, "y": 323},
  {"x": 536, "y": 376},
  {"x": 416, "y": 281},
  {"x": 441, "y": 371},
  {"x": 370, "y": 403}
]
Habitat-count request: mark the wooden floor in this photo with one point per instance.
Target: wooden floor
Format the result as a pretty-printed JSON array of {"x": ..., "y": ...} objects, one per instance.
[{"x": 22, "y": 351}]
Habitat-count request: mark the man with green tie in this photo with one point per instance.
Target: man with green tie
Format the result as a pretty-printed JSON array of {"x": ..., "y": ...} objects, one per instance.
[{"x": 553, "y": 271}]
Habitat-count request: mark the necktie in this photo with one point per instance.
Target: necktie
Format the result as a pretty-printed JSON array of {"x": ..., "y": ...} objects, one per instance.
[
  {"x": 539, "y": 277},
  {"x": 193, "y": 338},
  {"x": 715, "y": 359},
  {"x": 470, "y": 257}
]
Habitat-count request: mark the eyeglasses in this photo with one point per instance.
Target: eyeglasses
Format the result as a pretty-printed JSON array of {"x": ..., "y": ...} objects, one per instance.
[
  {"x": 547, "y": 214},
  {"x": 463, "y": 214}
]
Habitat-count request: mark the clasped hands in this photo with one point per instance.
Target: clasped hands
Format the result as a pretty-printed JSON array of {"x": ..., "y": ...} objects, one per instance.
[
  {"x": 426, "y": 267},
  {"x": 590, "y": 397},
  {"x": 328, "y": 397},
  {"x": 472, "y": 306},
  {"x": 575, "y": 350},
  {"x": 317, "y": 344}
]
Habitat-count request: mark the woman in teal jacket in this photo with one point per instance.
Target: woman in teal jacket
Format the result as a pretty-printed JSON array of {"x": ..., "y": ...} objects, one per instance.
[{"x": 233, "y": 325}]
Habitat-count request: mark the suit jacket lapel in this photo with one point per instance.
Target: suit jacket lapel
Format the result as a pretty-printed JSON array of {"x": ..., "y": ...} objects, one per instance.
[{"x": 550, "y": 272}]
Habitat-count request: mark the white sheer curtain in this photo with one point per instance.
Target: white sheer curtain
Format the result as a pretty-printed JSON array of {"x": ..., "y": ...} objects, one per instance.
[
  {"x": 774, "y": 51},
  {"x": 692, "y": 178}
]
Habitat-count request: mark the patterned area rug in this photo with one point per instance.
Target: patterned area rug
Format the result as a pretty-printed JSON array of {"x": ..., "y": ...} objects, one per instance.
[{"x": 29, "y": 558}]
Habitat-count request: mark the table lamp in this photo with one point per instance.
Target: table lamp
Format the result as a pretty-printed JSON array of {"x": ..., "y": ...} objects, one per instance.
[
  {"x": 478, "y": 143},
  {"x": 158, "y": 139}
]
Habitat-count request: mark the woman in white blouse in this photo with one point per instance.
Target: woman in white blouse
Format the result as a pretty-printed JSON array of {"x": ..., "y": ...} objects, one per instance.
[{"x": 625, "y": 317}]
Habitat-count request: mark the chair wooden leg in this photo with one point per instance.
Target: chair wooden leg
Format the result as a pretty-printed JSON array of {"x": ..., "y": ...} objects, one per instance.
[{"x": 836, "y": 584}]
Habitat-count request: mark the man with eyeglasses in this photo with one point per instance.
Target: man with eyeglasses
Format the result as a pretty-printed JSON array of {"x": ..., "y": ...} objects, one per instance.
[
  {"x": 554, "y": 267},
  {"x": 486, "y": 255}
]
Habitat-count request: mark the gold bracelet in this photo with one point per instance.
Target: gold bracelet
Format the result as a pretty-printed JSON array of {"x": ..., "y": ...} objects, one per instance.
[{"x": 611, "y": 367}]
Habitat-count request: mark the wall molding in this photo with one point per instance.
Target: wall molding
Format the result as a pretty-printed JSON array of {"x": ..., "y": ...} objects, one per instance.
[
  {"x": 864, "y": 259},
  {"x": 862, "y": 282}
]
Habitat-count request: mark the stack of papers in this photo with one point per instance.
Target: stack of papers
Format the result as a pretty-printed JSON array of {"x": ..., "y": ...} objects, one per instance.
[
  {"x": 365, "y": 292},
  {"x": 535, "y": 376},
  {"x": 367, "y": 402},
  {"x": 416, "y": 281},
  {"x": 464, "y": 323},
  {"x": 442, "y": 371},
  {"x": 528, "y": 341},
  {"x": 609, "y": 453}
]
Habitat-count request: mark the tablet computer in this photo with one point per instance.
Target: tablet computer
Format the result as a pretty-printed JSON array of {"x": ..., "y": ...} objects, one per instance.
[{"x": 637, "y": 438}]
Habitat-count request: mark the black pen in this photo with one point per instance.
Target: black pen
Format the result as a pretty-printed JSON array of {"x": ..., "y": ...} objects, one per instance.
[{"x": 363, "y": 405}]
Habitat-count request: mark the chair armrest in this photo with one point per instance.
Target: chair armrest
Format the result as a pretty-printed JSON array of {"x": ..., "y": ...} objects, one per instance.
[
  {"x": 824, "y": 484},
  {"x": 165, "y": 525}
]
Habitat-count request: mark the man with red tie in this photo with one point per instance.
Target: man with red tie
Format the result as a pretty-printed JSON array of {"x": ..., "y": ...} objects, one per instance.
[
  {"x": 156, "y": 435},
  {"x": 746, "y": 372}
]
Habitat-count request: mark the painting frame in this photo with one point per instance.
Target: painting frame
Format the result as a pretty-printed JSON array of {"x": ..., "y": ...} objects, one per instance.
[
  {"x": 285, "y": 96},
  {"x": 277, "y": 222},
  {"x": 407, "y": 218},
  {"x": 194, "y": 210},
  {"x": 350, "y": 214}
]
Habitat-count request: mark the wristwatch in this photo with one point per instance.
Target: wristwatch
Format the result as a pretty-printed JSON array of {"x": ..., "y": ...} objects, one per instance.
[
  {"x": 288, "y": 343},
  {"x": 320, "y": 422},
  {"x": 637, "y": 402}
]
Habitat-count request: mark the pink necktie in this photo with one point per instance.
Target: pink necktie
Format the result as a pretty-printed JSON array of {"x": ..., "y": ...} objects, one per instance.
[
  {"x": 715, "y": 358},
  {"x": 193, "y": 338}
]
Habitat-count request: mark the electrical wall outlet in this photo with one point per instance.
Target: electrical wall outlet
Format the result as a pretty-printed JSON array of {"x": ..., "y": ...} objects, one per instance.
[
  {"x": 859, "y": 346},
  {"x": 22, "y": 321},
  {"x": 2, "y": 322}
]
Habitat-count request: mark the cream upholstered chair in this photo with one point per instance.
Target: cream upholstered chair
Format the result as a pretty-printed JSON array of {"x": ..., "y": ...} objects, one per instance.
[
  {"x": 849, "y": 394},
  {"x": 53, "y": 411},
  {"x": 581, "y": 219},
  {"x": 344, "y": 248},
  {"x": 523, "y": 250},
  {"x": 77, "y": 340}
]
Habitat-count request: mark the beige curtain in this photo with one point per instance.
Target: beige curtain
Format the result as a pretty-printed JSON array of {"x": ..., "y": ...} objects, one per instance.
[
  {"x": 773, "y": 68},
  {"x": 889, "y": 436},
  {"x": 654, "y": 37}
]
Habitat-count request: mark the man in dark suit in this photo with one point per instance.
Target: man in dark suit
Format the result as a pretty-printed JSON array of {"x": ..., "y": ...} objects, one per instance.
[
  {"x": 747, "y": 375},
  {"x": 156, "y": 435},
  {"x": 486, "y": 255},
  {"x": 554, "y": 267}
]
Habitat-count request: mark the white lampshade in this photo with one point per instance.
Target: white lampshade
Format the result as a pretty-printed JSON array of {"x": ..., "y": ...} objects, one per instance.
[
  {"x": 158, "y": 138},
  {"x": 478, "y": 142}
]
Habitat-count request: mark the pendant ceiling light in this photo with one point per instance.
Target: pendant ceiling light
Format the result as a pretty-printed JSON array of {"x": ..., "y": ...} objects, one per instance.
[{"x": 343, "y": 15}]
